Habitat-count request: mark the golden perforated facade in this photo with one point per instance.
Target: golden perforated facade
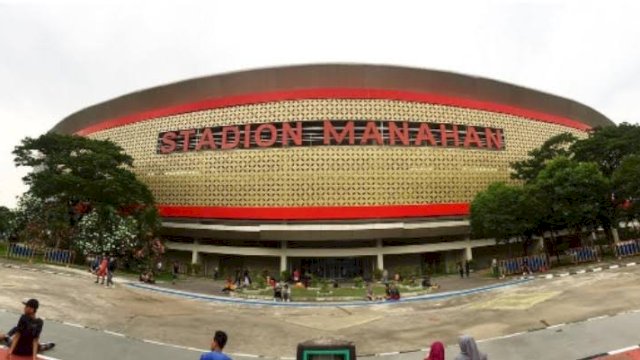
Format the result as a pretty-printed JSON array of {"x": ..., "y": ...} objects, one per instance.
[{"x": 327, "y": 175}]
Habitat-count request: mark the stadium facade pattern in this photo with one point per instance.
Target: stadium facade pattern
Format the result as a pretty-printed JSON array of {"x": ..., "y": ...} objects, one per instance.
[{"x": 337, "y": 169}]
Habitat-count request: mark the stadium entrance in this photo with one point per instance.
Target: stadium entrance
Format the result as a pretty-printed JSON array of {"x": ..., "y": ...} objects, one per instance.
[{"x": 335, "y": 268}]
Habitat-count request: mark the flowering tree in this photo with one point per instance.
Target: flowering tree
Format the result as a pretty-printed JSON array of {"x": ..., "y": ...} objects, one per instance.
[{"x": 106, "y": 232}]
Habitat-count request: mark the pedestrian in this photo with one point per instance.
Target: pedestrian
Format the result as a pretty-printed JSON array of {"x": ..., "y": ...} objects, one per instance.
[
  {"x": 460, "y": 269},
  {"x": 215, "y": 273},
  {"x": 436, "y": 352},
  {"x": 246, "y": 279},
  {"x": 466, "y": 268},
  {"x": 286, "y": 293},
  {"x": 469, "y": 349},
  {"x": 277, "y": 292},
  {"x": 102, "y": 269},
  {"x": 494, "y": 268},
  {"x": 296, "y": 276},
  {"x": 369, "y": 291},
  {"x": 111, "y": 268},
  {"x": 217, "y": 344},
  {"x": 176, "y": 269},
  {"x": 21, "y": 339},
  {"x": 385, "y": 276}
]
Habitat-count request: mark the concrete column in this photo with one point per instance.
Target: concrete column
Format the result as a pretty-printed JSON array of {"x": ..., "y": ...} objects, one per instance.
[
  {"x": 195, "y": 254},
  {"x": 283, "y": 256},
  {"x": 616, "y": 237},
  {"x": 468, "y": 253},
  {"x": 380, "y": 256}
]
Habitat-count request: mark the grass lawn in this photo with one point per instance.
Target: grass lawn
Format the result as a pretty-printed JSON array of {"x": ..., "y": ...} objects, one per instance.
[{"x": 337, "y": 292}]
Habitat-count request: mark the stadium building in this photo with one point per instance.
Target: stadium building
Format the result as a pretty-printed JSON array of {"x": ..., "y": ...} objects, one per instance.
[{"x": 334, "y": 169}]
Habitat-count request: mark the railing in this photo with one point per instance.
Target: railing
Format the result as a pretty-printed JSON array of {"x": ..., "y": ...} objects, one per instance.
[
  {"x": 58, "y": 256},
  {"x": 20, "y": 251},
  {"x": 627, "y": 248},
  {"x": 535, "y": 263},
  {"x": 583, "y": 254}
]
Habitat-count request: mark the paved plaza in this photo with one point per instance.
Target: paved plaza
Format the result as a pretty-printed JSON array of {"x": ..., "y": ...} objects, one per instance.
[{"x": 518, "y": 321}]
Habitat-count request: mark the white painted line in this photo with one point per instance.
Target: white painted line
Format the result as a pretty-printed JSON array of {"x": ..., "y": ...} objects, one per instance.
[
  {"x": 113, "y": 333},
  {"x": 425, "y": 350},
  {"x": 556, "y": 326},
  {"x": 287, "y": 358},
  {"x": 549, "y": 276},
  {"x": 581, "y": 271},
  {"x": 563, "y": 274},
  {"x": 501, "y": 337},
  {"x": 623, "y": 350},
  {"x": 246, "y": 355},
  {"x": 614, "y": 266},
  {"x": 198, "y": 350},
  {"x": 154, "y": 342},
  {"x": 74, "y": 325},
  {"x": 389, "y": 353},
  {"x": 598, "y": 317},
  {"x": 596, "y": 269},
  {"x": 631, "y": 264}
]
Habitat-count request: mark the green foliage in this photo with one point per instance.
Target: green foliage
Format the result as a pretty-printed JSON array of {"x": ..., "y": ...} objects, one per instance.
[
  {"x": 377, "y": 274},
  {"x": 358, "y": 282},
  {"x": 608, "y": 146},
  {"x": 260, "y": 282},
  {"x": 285, "y": 275},
  {"x": 7, "y": 222},
  {"x": 528, "y": 169},
  {"x": 573, "y": 194},
  {"x": 106, "y": 232},
  {"x": 626, "y": 182},
  {"x": 504, "y": 212},
  {"x": 74, "y": 177}
]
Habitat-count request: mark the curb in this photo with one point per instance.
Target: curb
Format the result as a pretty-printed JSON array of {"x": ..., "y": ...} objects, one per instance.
[
  {"x": 360, "y": 303},
  {"x": 612, "y": 352},
  {"x": 585, "y": 271}
]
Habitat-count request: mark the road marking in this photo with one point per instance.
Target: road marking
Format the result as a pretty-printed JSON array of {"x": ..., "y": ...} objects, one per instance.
[
  {"x": 74, "y": 325},
  {"x": 113, "y": 333},
  {"x": 389, "y": 353},
  {"x": 598, "y": 318},
  {"x": 596, "y": 269},
  {"x": 581, "y": 271},
  {"x": 556, "y": 325},
  {"x": 631, "y": 264},
  {"x": 563, "y": 274},
  {"x": 246, "y": 355},
  {"x": 614, "y": 266},
  {"x": 154, "y": 342}
]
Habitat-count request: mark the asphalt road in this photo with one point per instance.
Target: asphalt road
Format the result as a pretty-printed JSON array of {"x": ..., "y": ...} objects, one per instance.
[{"x": 570, "y": 341}]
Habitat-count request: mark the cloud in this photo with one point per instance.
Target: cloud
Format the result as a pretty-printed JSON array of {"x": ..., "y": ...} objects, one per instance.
[{"x": 60, "y": 57}]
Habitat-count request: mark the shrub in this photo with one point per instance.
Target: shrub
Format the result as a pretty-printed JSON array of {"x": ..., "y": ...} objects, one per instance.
[
  {"x": 377, "y": 274},
  {"x": 358, "y": 282},
  {"x": 285, "y": 275}
]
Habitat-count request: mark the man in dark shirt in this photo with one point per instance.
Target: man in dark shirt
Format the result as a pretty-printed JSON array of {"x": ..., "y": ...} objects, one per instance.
[
  {"x": 23, "y": 339},
  {"x": 218, "y": 343}
]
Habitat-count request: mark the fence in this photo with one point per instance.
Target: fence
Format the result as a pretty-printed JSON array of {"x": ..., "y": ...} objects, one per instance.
[
  {"x": 57, "y": 256},
  {"x": 20, "y": 251},
  {"x": 583, "y": 254},
  {"x": 535, "y": 263},
  {"x": 627, "y": 248}
]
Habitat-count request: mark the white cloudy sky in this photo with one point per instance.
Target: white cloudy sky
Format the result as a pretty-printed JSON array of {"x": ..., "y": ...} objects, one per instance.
[{"x": 59, "y": 56}]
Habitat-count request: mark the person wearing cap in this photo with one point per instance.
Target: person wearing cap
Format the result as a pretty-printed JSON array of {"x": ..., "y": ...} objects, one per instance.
[
  {"x": 24, "y": 339},
  {"x": 217, "y": 344}
]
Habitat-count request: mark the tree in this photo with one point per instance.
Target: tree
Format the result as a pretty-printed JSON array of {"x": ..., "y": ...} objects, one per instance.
[
  {"x": 73, "y": 176},
  {"x": 574, "y": 194},
  {"x": 7, "y": 222},
  {"x": 528, "y": 169},
  {"x": 503, "y": 212},
  {"x": 108, "y": 232},
  {"x": 608, "y": 146},
  {"x": 626, "y": 185}
]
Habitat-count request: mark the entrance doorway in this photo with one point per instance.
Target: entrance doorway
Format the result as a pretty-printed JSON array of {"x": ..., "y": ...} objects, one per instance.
[{"x": 335, "y": 268}]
